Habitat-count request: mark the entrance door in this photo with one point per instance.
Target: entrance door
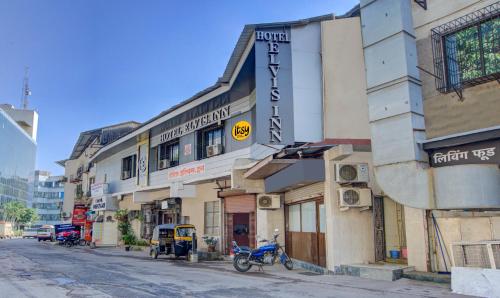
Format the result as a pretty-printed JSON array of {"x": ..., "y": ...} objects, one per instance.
[
  {"x": 305, "y": 231},
  {"x": 241, "y": 228}
]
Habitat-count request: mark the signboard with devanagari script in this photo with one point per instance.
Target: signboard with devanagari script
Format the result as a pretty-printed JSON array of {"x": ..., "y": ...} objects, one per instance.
[{"x": 485, "y": 152}]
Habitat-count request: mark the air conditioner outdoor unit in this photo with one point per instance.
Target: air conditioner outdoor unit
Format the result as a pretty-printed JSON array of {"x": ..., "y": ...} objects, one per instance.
[
  {"x": 355, "y": 197},
  {"x": 265, "y": 201},
  {"x": 351, "y": 173},
  {"x": 164, "y": 163},
  {"x": 126, "y": 174},
  {"x": 213, "y": 150}
]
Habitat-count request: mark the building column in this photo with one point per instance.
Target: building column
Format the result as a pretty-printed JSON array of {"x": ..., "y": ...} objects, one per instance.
[{"x": 417, "y": 240}]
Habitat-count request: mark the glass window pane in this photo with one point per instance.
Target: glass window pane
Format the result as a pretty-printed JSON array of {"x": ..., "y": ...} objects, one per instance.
[
  {"x": 308, "y": 216},
  {"x": 294, "y": 218},
  {"x": 322, "y": 220},
  {"x": 490, "y": 32}
]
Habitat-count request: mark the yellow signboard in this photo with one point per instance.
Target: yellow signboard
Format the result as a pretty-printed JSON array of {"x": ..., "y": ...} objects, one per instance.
[{"x": 241, "y": 130}]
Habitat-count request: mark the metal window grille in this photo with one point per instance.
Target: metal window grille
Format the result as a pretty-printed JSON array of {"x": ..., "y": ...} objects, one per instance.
[
  {"x": 466, "y": 51},
  {"x": 482, "y": 254}
]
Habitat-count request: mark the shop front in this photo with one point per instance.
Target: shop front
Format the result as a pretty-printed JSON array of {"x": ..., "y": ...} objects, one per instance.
[
  {"x": 305, "y": 231},
  {"x": 105, "y": 226},
  {"x": 240, "y": 220}
]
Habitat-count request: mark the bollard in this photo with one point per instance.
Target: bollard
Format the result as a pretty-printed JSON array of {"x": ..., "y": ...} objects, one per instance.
[{"x": 194, "y": 249}]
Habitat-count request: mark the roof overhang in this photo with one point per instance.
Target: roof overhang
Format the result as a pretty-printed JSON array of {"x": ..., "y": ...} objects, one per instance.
[
  {"x": 267, "y": 167},
  {"x": 303, "y": 172},
  {"x": 479, "y": 135}
]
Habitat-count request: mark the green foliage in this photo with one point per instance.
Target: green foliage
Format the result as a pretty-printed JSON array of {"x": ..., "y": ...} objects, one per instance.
[
  {"x": 129, "y": 239},
  {"x": 17, "y": 213},
  {"x": 210, "y": 240},
  {"x": 141, "y": 242}
]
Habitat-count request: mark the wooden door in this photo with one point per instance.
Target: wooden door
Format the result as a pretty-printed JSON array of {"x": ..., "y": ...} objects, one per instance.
[
  {"x": 241, "y": 228},
  {"x": 305, "y": 231}
]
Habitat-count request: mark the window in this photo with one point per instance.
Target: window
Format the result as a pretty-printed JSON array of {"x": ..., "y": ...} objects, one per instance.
[
  {"x": 210, "y": 142},
  {"x": 129, "y": 167},
  {"x": 467, "y": 50},
  {"x": 294, "y": 218},
  {"x": 212, "y": 218},
  {"x": 168, "y": 155}
]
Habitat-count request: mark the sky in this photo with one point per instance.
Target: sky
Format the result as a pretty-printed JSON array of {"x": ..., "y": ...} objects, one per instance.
[{"x": 93, "y": 63}]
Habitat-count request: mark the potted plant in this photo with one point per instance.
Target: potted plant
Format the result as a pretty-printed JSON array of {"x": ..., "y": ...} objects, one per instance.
[
  {"x": 211, "y": 242},
  {"x": 128, "y": 240}
]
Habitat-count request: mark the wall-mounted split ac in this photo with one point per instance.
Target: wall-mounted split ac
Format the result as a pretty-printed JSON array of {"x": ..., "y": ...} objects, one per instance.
[
  {"x": 351, "y": 173},
  {"x": 265, "y": 201},
  {"x": 355, "y": 197},
  {"x": 213, "y": 150},
  {"x": 164, "y": 163}
]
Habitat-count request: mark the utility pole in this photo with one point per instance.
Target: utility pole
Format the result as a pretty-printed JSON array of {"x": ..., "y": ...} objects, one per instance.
[{"x": 26, "y": 89}]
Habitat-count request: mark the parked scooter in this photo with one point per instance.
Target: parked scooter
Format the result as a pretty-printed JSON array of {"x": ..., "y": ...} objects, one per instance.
[{"x": 265, "y": 255}]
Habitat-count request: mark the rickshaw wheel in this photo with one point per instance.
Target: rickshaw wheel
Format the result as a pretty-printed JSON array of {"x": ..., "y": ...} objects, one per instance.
[{"x": 153, "y": 253}]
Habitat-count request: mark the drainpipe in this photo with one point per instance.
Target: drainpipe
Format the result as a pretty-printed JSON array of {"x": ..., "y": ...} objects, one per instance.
[{"x": 395, "y": 102}]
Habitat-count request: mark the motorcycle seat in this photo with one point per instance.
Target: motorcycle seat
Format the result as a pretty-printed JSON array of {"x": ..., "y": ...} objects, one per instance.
[{"x": 245, "y": 248}]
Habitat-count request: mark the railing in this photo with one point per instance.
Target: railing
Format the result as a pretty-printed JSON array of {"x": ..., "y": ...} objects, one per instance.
[{"x": 481, "y": 254}]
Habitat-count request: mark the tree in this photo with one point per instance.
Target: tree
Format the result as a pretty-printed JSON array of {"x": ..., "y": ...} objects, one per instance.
[{"x": 16, "y": 213}]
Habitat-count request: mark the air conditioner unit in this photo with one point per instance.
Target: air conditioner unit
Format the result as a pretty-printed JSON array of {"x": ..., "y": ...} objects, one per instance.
[
  {"x": 164, "y": 163},
  {"x": 126, "y": 174},
  {"x": 351, "y": 173},
  {"x": 355, "y": 197},
  {"x": 213, "y": 150},
  {"x": 265, "y": 201}
]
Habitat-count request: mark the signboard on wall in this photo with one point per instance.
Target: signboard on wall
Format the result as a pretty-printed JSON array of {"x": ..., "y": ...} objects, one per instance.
[
  {"x": 273, "y": 72},
  {"x": 98, "y": 189},
  {"x": 476, "y": 153},
  {"x": 104, "y": 203},
  {"x": 142, "y": 164},
  {"x": 196, "y": 123},
  {"x": 79, "y": 215},
  {"x": 189, "y": 170},
  {"x": 241, "y": 130}
]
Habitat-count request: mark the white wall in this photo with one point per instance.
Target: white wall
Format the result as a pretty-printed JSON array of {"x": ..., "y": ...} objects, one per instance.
[{"x": 307, "y": 83}]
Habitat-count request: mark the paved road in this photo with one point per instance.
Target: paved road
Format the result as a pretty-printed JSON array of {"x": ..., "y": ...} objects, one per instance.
[{"x": 32, "y": 269}]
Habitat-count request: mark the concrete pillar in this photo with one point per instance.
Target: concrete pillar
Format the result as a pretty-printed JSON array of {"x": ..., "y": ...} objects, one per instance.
[{"x": 417, "y": 239}]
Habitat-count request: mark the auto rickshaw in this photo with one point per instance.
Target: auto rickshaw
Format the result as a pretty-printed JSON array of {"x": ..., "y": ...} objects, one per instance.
[{"x": 172, "y": 239}]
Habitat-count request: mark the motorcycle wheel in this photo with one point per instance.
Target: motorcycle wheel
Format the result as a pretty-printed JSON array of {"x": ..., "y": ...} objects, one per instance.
[
  {"x": 288, "y": 262},
  {"x": 82, "y": 242},
  {"x": 241, "y": 264}
]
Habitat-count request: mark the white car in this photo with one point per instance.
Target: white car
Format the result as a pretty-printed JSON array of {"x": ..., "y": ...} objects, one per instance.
[{"x": 30, "y": 233}]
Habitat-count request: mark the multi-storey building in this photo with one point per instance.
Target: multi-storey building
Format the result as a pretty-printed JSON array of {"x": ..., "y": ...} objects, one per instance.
[
  {"x": 18, "y": 129},
  {"x": 48, "y": 197},
  {"x": 258, "y": 150},
  {"x": 79, "y": 171},
  {"x": 432, "y": 72}
]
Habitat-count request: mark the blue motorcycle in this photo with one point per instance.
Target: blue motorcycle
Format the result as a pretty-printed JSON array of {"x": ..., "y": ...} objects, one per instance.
[{"x": 266, "y": 255}]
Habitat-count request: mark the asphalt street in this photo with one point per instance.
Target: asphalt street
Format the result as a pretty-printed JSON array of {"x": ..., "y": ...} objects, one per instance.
[{"x": 32, "y": 269}]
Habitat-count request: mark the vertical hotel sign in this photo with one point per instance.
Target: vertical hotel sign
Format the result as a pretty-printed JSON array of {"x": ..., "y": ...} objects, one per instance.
[
  {"x": 143, "y": 160},
  {"x": 274, "y": 86}
]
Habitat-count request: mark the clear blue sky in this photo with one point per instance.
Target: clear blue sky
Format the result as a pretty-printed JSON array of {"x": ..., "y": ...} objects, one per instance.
[{"x": 98, "y": 62}]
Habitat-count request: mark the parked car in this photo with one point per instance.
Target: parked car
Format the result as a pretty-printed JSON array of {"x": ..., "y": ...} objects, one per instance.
[
  {"x": 29, "y": 233},
  {"x": 46, "y": 233}
]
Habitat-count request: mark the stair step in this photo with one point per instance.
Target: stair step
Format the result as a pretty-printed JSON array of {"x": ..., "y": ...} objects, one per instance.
[{"x": 389, "y": 272}]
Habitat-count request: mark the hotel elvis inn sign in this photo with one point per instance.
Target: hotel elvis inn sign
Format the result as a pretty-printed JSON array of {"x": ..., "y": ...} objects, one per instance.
[
  {"x": 476, "y": 153},
  {"x": 273, "y": 40}
]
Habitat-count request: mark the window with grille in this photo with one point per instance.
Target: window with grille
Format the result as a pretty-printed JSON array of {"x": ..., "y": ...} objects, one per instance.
[
  {"x": 467, "y": 50},
  {"x": 212, "y": 218},
  {"x": 129, "y": 167},
  {"x": 168, "y": 155}
]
